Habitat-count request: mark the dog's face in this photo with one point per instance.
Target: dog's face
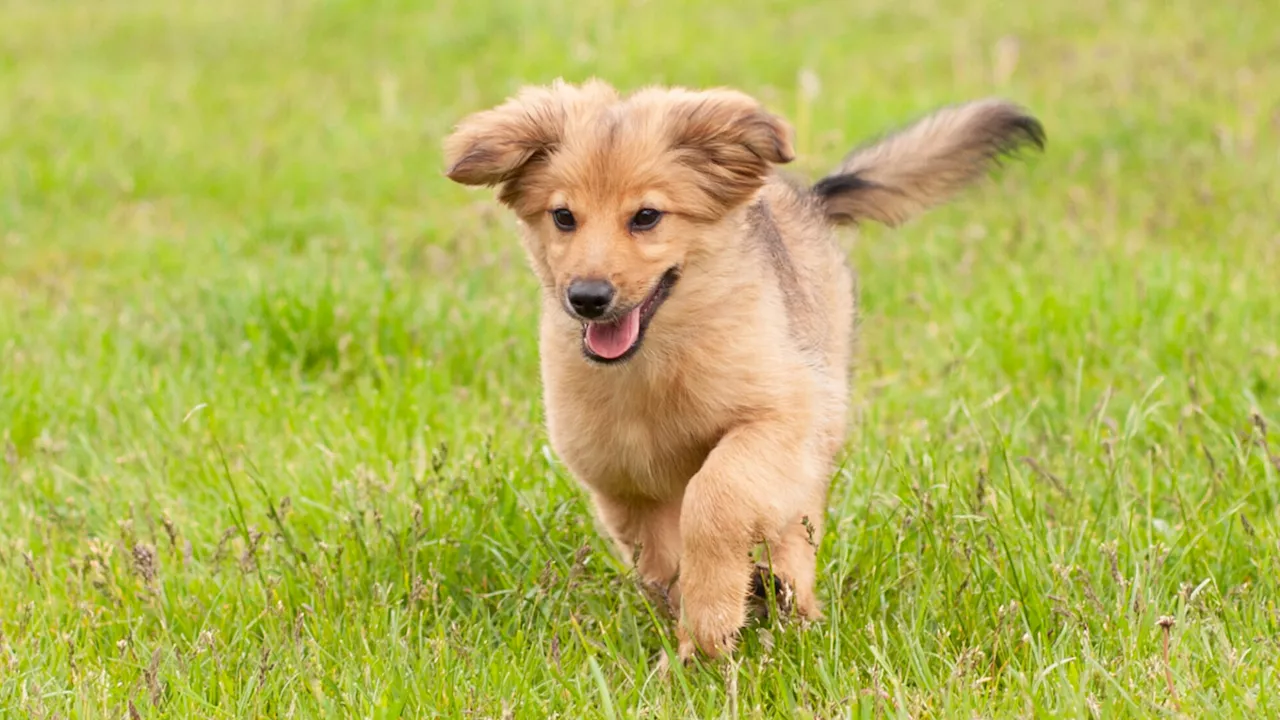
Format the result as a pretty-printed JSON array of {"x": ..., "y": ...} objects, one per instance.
[{"x": 618, "y": 194}]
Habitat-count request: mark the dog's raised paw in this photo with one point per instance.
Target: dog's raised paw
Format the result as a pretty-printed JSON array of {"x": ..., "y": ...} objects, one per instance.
[{"x": 709, "y": 648}]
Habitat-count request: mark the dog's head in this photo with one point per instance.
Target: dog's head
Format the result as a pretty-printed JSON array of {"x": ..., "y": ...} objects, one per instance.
[{"x": 618, "y": 194}]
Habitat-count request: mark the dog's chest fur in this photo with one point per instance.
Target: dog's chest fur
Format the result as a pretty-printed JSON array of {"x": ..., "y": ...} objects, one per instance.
[{"x": 625, "y": 432}]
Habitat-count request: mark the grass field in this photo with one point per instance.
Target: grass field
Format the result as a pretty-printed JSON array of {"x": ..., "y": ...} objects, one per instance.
[{"x": 270, "y": 435}]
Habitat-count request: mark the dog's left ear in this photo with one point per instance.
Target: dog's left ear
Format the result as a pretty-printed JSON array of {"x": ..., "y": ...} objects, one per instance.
[{"x": 730, "y": 140}]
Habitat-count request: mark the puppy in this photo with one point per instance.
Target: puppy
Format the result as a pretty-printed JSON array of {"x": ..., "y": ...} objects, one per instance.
[{"x": 698, "y": 315}]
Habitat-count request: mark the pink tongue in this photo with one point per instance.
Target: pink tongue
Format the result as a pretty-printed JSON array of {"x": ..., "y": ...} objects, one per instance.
[{"x": 612, "y": 340}]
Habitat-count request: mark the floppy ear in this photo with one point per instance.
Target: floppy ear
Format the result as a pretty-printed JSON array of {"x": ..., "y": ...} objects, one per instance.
[
  {"x": 496, "y": 147},
  {"x": 898, "y": 177},
  {"x": 493, "y": 146},
  {"x": 728, "y": 139}
]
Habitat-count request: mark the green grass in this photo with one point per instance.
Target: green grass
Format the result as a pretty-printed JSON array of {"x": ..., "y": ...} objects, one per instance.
[{"x": 270, "y": 435}]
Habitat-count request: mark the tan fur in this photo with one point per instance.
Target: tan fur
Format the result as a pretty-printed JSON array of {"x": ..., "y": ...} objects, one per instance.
[
  {"x": 927, "y": 162},
  {"x": 721, "y": 432}
]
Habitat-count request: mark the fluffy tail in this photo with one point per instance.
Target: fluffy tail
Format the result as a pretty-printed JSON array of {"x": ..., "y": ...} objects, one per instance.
[{"x": 900, "y": 176}]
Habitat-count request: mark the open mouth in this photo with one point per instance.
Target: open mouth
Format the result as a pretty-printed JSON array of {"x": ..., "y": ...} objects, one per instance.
[{"x": 618, "y": 338}]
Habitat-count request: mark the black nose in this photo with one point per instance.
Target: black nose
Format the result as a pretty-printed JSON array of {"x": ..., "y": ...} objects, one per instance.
[{"x": 590, "y": 298}]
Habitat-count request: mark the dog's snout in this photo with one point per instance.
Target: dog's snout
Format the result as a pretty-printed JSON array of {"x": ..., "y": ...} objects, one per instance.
[{"x": 591, "y": 298}]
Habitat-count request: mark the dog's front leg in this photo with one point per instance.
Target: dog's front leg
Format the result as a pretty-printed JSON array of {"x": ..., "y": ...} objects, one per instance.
[
  {"x": 647, "y": 533},
  {"x": 743, "y": 494}
]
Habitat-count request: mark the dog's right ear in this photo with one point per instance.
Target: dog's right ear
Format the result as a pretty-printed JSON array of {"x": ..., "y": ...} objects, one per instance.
[
  {"x": 492, "y": 146},
  {"x": 497, "y": 146}
]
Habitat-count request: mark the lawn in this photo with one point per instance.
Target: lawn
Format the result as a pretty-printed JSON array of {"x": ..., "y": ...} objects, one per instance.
[{"x": 270, "y": 433}]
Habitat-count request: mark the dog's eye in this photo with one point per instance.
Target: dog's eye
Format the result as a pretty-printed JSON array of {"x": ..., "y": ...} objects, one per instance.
[
  {"x": 563, "y": 219},
  {"x": 645, "y": 219}
]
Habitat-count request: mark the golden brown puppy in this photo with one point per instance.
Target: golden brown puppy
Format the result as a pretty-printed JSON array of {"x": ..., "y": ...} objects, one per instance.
[{"x": 698, "y": 316}]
